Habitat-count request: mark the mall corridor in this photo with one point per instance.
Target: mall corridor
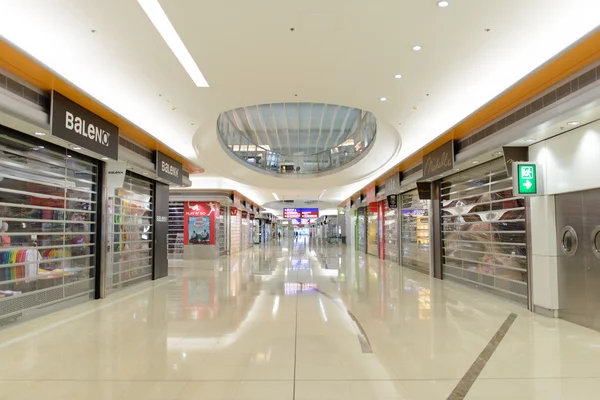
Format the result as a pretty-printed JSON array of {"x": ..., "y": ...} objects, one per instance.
[{"x": 298, "y": 321}]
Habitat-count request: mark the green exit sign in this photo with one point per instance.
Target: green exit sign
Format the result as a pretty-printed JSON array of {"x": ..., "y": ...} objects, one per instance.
[{"x": 525, "y": 178}]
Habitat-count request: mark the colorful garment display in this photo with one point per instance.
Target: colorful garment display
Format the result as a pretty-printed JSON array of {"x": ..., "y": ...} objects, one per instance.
[{"x": 30, "y": 259}]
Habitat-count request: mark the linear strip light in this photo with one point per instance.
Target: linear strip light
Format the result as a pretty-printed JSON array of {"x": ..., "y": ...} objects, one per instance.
[
  {"x": 162, "y": 24},
  {"x": 276, "y": 197}
]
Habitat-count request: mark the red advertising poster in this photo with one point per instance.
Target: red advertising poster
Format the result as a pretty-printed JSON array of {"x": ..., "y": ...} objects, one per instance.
[
  {"x": 233, "y": 211},
  {"x": 251, "y": 217},
  {"x": 199, "y": 222}
]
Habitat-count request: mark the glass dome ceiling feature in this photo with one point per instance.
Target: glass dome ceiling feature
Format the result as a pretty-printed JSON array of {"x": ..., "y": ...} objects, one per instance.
[
  {"x": 296, "y": 137},
  {"x": 292, "y": 128}
]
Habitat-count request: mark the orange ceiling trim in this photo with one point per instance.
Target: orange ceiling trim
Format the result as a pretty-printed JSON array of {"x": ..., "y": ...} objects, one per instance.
[
  {"x": 575, "y": 58},
  {"x": 29, "y": 70}
]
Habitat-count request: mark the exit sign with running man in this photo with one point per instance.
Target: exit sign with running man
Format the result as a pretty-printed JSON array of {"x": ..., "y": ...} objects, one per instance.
[{"x": 526, "y": 179}]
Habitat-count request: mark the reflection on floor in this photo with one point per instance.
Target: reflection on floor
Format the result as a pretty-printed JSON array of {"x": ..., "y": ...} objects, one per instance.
[{"x": 293, "y": 321}]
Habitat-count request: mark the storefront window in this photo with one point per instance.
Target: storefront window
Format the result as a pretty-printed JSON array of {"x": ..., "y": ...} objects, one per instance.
[
  {"x": 484, "y": 231},
  {"x": 48, "y": 225}
]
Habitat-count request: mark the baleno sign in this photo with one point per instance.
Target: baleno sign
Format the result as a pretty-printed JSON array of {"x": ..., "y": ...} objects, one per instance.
[
  {"x": 169, "y": 169},
  {"x": 439, "y": 161},
  {"x": 75, "y": 124}
]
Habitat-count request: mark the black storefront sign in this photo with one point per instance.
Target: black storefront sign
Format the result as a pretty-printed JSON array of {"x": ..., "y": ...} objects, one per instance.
[
  {"x": 513, "y": 155},
  {"x": 169, "y": 169},
  {"x": 439, "y": 161},
  {"x": 392, "y": 201},
  {"x": 161, "y": 230},
  {"x": 424, "y": 190},
  {"x": 75, "y": 124}
]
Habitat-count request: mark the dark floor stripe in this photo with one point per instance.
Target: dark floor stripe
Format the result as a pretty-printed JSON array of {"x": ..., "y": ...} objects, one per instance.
[
  {"x": 465, "y": 384},
  {"x": 363, "y": 339}
]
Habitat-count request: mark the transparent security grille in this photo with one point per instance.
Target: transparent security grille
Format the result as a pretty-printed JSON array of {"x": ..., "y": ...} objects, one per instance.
[
  {"x": 130, "y": 234},
  {"x": 391, "y": 232},
  {"x": 362, "y": 229},
  {"x": 372, "y": 225},
  {"x": 175, "y": 235},
  {"x": 415, "y": 244},
  {"x": 484, "y": 231},
  {"x": 48, "y": 215}
]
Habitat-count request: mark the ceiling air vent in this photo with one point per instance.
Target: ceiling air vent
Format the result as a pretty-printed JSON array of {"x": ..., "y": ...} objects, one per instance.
[
  {"x": 533, "y": 106},
  {"x": 17, "y": 88},
  {"x": 412, "y": 170},
  {"x": 136, "y": 148}
]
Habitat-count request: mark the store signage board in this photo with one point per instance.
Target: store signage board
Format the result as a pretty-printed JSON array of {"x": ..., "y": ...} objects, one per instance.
[
  {"x": 392, "y": 201},
  {"x": 392, "y": 184},
  {"x": 513, "y": 155},
  {"x": 439, "y": 161},
  {"x": 526, "y": 179},
  {"x": 244, "y": 214},
  {"x": 115, "y": 173},
  {"x": 77, "y": 125},
  {"x": 424, "y": 190},
  {"x": 169, "y": 169}
]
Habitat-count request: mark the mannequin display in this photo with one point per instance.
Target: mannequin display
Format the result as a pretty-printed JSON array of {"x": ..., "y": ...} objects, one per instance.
[{"x": 5, "y": 237}]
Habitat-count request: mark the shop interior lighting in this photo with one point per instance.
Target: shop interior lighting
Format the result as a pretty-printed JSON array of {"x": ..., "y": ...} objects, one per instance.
[
  {"x": 162, "y": 24},
  {"x": 573, "y": 123},
  {"x": 105, "y": 158},
  {"x": 40, "y": 134},
  {"x": 530, "y": 140}
]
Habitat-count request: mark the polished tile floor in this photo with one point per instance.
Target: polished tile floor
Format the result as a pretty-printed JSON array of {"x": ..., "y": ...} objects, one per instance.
[{"x": 294, "y": 321}]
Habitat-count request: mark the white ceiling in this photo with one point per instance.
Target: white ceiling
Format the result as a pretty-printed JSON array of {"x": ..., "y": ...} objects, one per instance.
[{"x": 342, "y": 52}]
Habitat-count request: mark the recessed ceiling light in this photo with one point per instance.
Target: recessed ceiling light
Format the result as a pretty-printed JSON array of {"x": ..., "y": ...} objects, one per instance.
[
  {"x": 40, "y": 134},
  {"x": 573, "y": 123},
  {"x": 417, "y": 48},
  {"x": 498, "y": 153},
  {"x": 475, "y": 162},
  {"x": 76, "y": 148},
  {"x": 162, "y": 24},
  {"x": 40, "y": 147},
  {"x": 530, "y": 140},
  {"x": 105, "y": 158},
  {"x": 383, "y": 99},
  {"x": 398, "y": 76},
  {"x": 443, "y": 3}
]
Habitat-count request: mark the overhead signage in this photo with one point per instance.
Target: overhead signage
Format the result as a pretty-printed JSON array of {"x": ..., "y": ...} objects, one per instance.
[
  {"x": 424, "y": 190},
  {"x": 513, "y": 155},
  {"x": 439, "y": 161},
  {"x": 309, "y": 213},
  {"x": 525, "y": 179},
  {"x": 115, "y": 173},
  {"x": 169, "y": 169},
  {"x": 252, "y": 217},
  {"x": 77, "y": 125},
  {"x": 233, "y": 212},
  {"x": 392, "y": 201},
  {"x": 244, "y": 214}
]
